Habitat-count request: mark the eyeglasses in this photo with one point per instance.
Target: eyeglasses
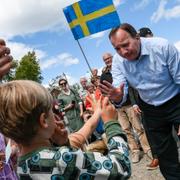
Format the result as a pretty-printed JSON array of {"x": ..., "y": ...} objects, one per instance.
[
  {"x": 108, "y": 58},
  {"x": 63, "y": 84}
]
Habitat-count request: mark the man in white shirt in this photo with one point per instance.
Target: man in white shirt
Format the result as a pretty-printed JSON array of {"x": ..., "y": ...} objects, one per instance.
[{"x": 152, "y": 67}]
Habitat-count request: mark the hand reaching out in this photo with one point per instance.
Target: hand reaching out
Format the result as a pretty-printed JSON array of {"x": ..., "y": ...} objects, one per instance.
[
  {"x": 108, "y": 111},
  {"x": 137, "y": 110},
  {"x": 115, "y": 94},
  {"x": 95, "y": 103}
]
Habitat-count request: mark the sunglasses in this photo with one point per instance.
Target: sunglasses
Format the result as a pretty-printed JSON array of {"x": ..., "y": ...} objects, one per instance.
[{"x": 63, "y": 84}]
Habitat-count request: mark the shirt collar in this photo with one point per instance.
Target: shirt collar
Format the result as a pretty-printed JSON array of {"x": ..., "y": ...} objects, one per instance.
[
  {"x": 66, "y": 92},
  {"x": 144, "y": 50}
]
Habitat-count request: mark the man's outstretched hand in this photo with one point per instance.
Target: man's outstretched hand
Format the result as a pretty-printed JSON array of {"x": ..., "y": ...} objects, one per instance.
[{"x": 114, "y": 94}]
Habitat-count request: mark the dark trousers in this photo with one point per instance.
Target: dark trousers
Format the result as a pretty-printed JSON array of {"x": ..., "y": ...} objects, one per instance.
[
  {"x": 158, "y": 122},
  {"x": 152, "y": 146}
]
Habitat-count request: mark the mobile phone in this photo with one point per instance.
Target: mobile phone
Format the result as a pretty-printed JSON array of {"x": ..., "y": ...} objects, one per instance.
[{"x": 106, "y": 76}]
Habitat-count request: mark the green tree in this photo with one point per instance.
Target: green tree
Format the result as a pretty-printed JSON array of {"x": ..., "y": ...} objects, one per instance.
[{"x": 29, "y": 68}]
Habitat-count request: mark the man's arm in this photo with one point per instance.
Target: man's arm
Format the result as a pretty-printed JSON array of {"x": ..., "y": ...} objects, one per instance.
[{"x": 117, "y": 92}]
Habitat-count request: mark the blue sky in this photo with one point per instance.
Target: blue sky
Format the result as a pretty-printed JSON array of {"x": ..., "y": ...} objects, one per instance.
[{"x": 41, "y": 26}]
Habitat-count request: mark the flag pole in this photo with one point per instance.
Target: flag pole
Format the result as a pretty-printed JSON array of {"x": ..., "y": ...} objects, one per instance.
[{"x": 85, "y": 57}]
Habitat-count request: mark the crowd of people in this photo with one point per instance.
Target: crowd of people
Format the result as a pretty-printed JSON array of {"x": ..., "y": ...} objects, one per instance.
[{"x": 100, "y": 129}]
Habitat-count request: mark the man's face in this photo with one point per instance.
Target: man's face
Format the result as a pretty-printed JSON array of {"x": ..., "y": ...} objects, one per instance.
[
  {"x": 83, "y": 83},
  {"x": 107, "y": 59},
  {"x": 125, "y": 45},
  {"x": 94, "y": 72}
]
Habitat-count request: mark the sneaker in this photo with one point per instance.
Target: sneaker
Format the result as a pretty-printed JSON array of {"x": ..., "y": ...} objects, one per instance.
[
  {"x": 153, "y": 165},
  {"x": 135, "y": 156}
]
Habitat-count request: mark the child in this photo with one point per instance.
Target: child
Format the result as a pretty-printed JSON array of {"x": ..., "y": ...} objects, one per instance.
[{"x": 26, "y": 117}]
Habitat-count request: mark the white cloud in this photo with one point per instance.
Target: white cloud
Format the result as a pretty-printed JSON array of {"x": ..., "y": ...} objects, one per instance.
[
  {"x": 177, "y": 44},
  {"x": 71, "y": 79},
  {"x": 46, "y": 85},
  {"x": 118, "y": 2},
  {"x": 65, "y": 59},
  {"x": 173, "y": 13},
  {"x": 98, "y": 42},
  {"x": 141, "y": 5},
  {"x": 97, "y": 35},
  {"x": 20, "y": 17},
  {"x": 18, "y": 50},
  {"x": 161, "y": 12}
]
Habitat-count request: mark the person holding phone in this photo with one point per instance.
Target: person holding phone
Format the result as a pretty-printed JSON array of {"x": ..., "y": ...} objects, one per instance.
[
  {"x": 152, "y": 67},
  {"x": 127, "y": 118},
  {"x": 73, "y": 107}
]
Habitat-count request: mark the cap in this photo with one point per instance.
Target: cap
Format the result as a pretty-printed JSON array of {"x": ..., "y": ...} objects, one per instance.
[{"x": 144, "y": 32}]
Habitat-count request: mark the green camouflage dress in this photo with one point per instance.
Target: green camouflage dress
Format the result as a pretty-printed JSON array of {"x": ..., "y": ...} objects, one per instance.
[{"x": 73, "y": 115}]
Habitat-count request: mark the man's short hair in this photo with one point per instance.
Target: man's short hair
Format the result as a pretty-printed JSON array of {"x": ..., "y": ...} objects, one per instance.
[
  {"x": 126, "y": 27},
  {"x": 22, "y": 103},
  {"x": 143, "y": 32},
  {"x": 83, "y": 79},
  {"x": 107, "y": 54}
]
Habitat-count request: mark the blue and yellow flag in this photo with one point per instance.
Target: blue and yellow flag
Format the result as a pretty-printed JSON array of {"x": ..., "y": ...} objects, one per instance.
[{"x": 87, "y": 17}]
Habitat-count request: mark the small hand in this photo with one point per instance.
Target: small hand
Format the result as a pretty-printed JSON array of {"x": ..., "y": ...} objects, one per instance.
[
  {"x": 95, "y": 103},
  {"x": 108, "y": 111},
  {"x": 137, "y": 110}
]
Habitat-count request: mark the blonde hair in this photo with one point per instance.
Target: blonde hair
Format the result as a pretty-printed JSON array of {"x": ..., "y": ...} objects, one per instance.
[{"x": 21, "y": 104}]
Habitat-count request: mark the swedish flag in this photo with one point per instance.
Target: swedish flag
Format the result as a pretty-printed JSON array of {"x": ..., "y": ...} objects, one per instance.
[{"x": 91, "y": 16}]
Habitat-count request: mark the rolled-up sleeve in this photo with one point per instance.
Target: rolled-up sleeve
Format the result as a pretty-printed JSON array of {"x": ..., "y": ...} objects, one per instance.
[{"x": 118, "y": 78}]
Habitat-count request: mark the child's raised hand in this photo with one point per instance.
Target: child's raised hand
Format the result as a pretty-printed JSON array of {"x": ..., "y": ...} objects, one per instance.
[
  {"x": 108, "y": 111},
  {"x": 95, "y": 103}
]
